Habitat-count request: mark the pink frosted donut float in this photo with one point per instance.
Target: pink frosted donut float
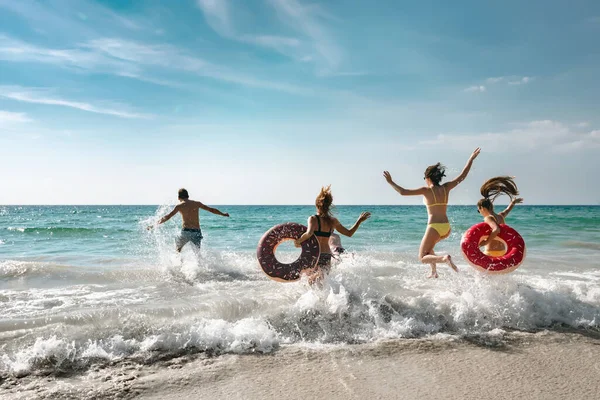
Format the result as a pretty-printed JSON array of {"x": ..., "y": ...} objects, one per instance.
[{"x": 511, "y": 260}]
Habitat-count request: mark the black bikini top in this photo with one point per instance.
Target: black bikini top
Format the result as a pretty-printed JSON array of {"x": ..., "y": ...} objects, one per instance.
[{"x": 320, "y": 232}]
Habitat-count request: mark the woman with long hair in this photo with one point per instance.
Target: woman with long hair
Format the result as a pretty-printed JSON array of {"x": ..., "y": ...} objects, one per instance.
[
  {"x": 435, "y": 196},
  {"x": 490, "y": 190},
  {"x": 322, "y": 225}
]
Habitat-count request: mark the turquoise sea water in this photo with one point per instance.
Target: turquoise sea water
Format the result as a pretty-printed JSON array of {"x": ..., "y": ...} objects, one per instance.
[
  {"x": 79, "y": 284},
  {"x": 93, "y": 235}
]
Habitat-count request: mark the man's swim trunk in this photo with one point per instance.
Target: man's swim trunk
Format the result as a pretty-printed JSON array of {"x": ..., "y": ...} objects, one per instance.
[{"x": 189, "y": 235}]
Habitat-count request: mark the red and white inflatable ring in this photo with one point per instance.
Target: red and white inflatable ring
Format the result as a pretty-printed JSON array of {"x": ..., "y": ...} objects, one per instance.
[
  {"x": 515, "y": 249},
  {"x": 274, "y": 237}
]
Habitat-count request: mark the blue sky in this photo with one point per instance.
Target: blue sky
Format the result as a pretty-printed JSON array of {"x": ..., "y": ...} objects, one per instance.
[{"x": 264, "y": 101}]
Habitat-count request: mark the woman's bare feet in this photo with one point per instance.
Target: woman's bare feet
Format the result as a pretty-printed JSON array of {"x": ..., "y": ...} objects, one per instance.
[
  {"x": 448, "y": 260},
  {"x": 433, "y": 271}
]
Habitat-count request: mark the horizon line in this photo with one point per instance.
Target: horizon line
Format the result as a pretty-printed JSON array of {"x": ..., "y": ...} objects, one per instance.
[{"x": 279, "y": 205}]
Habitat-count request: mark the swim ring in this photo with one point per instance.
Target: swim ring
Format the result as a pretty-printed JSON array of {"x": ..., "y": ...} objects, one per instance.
[
  {"x": 493, "y": 264},
  {"x": 277, "y": 270}
]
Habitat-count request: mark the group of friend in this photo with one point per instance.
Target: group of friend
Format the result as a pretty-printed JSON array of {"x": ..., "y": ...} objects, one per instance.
[{"x": 323, "y": 224}]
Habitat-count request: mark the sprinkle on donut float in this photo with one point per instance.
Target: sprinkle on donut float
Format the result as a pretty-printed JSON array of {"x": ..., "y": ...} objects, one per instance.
[
  {"x": 277, "y": 270},
  {"x": 511, "y": 260}
]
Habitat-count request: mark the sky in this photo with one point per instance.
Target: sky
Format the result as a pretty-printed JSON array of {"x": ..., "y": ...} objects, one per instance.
[{"x": 265, "y": 101}]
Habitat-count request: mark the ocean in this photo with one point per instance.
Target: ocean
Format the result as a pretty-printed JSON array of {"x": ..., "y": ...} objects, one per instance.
[{"x": 88, "y": 285}]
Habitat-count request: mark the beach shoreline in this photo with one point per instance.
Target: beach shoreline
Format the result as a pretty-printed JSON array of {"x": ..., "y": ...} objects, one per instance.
[{"x": 534, "y": 366}]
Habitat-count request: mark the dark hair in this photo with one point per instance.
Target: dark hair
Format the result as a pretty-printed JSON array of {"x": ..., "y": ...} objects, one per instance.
[
  {"x": 435, "y": 173},
  {"x": 324, "y": 202},
  {"x": 494, "y": 187},
  {"x": 183, "y": 194}
]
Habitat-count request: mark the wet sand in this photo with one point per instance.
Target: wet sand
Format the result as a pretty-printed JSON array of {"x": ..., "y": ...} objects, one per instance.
[{"x": 547, "y": 366}]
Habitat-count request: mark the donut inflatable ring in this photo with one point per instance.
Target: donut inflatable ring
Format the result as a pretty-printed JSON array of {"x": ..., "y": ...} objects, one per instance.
[
  {"x": 277, "y": 270},
  {"x": 513, "y": 242}
]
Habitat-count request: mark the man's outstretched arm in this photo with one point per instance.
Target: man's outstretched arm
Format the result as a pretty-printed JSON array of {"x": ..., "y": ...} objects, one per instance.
[
  {"x": 166, "y": 217},
  {"x": 212, "y": 210}
]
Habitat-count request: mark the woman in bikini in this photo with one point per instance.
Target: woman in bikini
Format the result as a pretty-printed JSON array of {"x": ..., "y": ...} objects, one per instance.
[
  {"x": 322, "y": 225},
  {"x": 490, "y": 190},
  {"x": 435, "y": 197}
]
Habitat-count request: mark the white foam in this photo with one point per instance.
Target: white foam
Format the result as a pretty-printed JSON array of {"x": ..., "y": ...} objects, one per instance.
[
  {"x": 224, "y": 304},
  {"x": 216, "y": 336}
]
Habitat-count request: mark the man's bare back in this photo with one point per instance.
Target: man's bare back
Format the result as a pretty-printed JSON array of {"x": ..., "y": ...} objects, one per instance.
[{"x": 190, "y": 213}]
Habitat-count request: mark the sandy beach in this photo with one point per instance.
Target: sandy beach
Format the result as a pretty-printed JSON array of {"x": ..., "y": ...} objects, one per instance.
[{"x": 541, "y": 366}]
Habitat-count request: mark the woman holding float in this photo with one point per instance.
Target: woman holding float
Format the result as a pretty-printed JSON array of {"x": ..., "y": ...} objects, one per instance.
[
  {"x": 490, "y": 190},
  {"x": 435, "y": 196},
  {"x": 504, "y": 248},
  {"x": 322, "y": 225}
]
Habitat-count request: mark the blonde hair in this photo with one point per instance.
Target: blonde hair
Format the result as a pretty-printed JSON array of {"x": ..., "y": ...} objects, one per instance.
[{"x": 324, "y": 203}]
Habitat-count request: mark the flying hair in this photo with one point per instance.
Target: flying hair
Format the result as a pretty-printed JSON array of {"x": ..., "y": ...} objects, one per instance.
[
  {"x": 435, "y": 173},
  {"x": 324, "y": 203},
  {"x": 495, "y": 187}
]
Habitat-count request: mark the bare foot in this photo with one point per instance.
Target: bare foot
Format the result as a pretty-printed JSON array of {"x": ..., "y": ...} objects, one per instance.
[
  {"x": 448, "y": 259},
  {"x": 433, "y": 275}
]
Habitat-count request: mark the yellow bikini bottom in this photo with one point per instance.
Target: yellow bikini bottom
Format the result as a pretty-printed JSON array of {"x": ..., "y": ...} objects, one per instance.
[
  {"x": 494, "y": 253},
  {"x": 443, "y": 228}
]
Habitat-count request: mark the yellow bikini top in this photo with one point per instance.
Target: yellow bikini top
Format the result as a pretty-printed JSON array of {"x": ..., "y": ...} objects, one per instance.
[{"x": 435, "y": 200}]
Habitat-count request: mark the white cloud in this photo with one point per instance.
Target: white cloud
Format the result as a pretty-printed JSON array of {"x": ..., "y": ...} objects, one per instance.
[
  {"x": 475, "y": 88},
  {"x": 19, "y": 51},
  {"x": 510, "y": 80},
  {"x": 304, "y": 20},
  {"x": 132, "y": 59},
  {"x": 39, "y": 96},
  {"x": 142, "y": 55},
  {"x": 521, "y": 81},
  {"x": 58, "y": 15},
  {"x": 589, "y": 140},
  {"x": 535, "y": 135},
  {"x": 583, "y": 124},
  {"x": 494, "y": 80},
  {"x": 9, "y": 117},
  {"x": 218, "y": 16}
]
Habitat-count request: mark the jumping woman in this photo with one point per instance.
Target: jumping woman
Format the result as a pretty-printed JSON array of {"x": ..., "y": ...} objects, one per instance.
[
  {"x": 435, "y": 196},
  {"x": 490, "y": 190},
  {"x": 322, "y": 225}
]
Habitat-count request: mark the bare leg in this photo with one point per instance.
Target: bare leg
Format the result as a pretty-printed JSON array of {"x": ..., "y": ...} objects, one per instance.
[
  {"x": 450, "y": 263},
  {"x": 427, "y": 254},
  {"x": 434, "y": 273},
  {"x": 315, "y": 276}
]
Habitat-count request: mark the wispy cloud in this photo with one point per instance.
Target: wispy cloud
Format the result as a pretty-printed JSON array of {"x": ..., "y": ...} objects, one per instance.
[
  {"x": 45, "y": 15},
  {"x": 510, "y": 80},
  {"x": 133, "y": 60},
  {"x": 142, "y": 55},
  {"x": 80, "y": 58},
  {"x": 9, "y": 117},
  {"x": 520, "y": 81},
  {"x": 306, "y": 21},
  {"x": 476, "y": 88},
  {"x": 45, "y": 96},
  {"x": 583, "y": 124},
  {"x": 218, "y": 15},
  {"x": 546, "y": 134},
  {"x": 494, "y": 80}
]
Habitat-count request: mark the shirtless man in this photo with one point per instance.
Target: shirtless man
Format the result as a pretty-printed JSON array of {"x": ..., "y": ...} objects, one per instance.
[{"x": 189, "y": 209}]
